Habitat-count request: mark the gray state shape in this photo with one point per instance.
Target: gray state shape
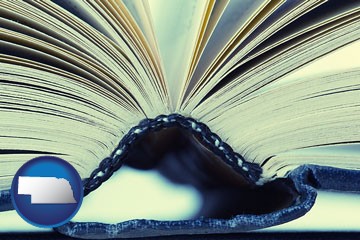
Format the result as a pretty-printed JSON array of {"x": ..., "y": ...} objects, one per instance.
[{"x": 46, "y": 190}]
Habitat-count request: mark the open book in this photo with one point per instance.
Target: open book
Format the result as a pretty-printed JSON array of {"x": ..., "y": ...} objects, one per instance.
[{"x": 199, "y": 90}]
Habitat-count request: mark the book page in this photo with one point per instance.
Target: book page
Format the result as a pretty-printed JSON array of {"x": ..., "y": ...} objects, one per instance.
[
  {"x": 282, "y": 62},
  {"x": 315, "y": 19},
  {"x": 49, "y": 111},
  {"x": 286, "y": 13},
  {"x": 212, "y": 15},
  {"x": 140, "y": 11},
  {"x": 216, "y": 13},
  {"x": 203, "y": 78},
  {"x": 344, "y": 59},
  {"x": 295, "y": 114},
  {"x": 123, "y": 37},
  {"x": 177, "y": 24},
  {"x": 240, "y": 68},
  {"x": 60, "y": 78},
  {"x": 140, "y": 15},
  {"x": 235, "y": 16}
]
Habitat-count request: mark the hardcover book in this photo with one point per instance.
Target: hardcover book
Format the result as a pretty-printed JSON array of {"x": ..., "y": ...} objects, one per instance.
[{"x": 201, "y": 91}]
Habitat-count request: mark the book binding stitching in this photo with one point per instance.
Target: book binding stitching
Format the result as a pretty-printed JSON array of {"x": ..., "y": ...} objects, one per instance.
[{"x": 250, "y": 171}]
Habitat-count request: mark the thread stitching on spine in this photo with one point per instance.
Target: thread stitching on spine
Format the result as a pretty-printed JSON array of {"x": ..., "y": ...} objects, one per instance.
[{"x": 212, "y": 141}]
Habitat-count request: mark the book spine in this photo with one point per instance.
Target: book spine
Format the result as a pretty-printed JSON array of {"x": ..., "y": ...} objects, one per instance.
[
  {"x": 5, "y": 201},
  {"x": 250, "y": 171}
]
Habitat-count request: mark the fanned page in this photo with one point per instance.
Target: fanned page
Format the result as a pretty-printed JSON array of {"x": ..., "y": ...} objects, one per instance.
[
  {"x": 76, "y": 77},
  {"x": 184, "y": 20}
]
